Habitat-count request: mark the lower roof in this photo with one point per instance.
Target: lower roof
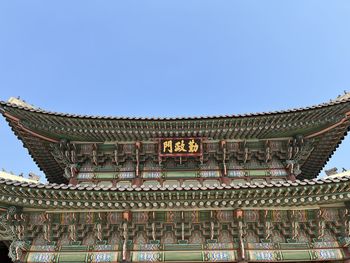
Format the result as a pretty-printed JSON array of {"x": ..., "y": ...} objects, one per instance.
[{"x": 299, "y": 193}]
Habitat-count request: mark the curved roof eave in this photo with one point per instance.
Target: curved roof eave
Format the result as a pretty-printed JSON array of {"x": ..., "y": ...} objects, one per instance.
[{"x": 5, "y": 104}]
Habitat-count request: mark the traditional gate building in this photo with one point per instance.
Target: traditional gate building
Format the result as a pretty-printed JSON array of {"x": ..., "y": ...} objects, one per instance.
[{"x": 238, "y": 188}]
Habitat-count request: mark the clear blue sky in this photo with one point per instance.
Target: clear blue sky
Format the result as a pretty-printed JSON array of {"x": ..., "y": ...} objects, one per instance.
[{"x": 171, "y": 58}]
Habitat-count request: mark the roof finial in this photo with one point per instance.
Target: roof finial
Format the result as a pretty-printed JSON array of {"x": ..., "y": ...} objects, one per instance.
[
  {"x": 20, "y": 102},
  {"x": 344, "y": 96}
]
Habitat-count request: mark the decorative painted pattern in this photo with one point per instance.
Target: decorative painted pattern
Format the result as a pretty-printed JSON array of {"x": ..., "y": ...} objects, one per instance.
[
  {"x": 146, "y": 256},
  {"x": 224, "y": 216},
  {"x": 219, "y": 246},
  {"x": 262, "y": 255},
  {"x": 236, "y": 173},
  {"x": 219, "y": 256},
  {"x": 260, "y": 245},
  {"x": 41, "y": 257},
  {"x": 104, "y": 257},
  {"x": 328, "y": 254},
  {"x": 147, "y": 247},
  {"x": 278, "y": 172},
  {"x": 210, "y": 174},
  {"x": 151, "y": 174}
]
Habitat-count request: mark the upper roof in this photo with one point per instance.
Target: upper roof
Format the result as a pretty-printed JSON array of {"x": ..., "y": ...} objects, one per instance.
[
  {"x": 327, "y": 123},
  {"x": 20, "y": 104}
]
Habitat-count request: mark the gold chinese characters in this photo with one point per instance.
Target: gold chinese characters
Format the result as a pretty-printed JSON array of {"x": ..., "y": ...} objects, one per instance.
[{"x": 180, "y": 146}]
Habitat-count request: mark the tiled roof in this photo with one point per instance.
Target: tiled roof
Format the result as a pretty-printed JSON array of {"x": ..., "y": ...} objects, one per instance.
[
  {"x": 233, "y": 185},
  {"x": 337, "y": 101},
  {"x": 70, "y": 197}
]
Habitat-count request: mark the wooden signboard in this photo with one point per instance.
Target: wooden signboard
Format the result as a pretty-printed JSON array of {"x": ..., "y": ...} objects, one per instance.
[{"x": 180, "y": 147}]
